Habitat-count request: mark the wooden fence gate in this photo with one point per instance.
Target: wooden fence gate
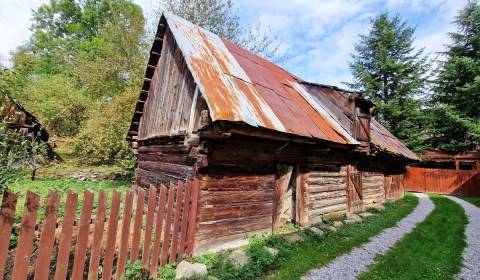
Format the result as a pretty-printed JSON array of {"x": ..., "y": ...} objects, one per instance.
[
  {"x": 443, "y": 181},
  {"x": 155, "y": 228}
]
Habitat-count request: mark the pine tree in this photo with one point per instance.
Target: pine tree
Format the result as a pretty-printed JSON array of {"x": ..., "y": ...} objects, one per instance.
[
  {"x": 392, "y": 74},
  {"x": 455, "y": 116}
]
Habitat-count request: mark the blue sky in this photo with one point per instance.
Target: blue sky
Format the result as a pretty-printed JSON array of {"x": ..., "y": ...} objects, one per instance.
[{"x": 318, "y": 34}]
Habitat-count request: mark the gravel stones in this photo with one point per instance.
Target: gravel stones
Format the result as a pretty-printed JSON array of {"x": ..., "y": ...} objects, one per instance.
[
  {"x": 351, "y": 265},
  {"x": 471, "y": 253}
]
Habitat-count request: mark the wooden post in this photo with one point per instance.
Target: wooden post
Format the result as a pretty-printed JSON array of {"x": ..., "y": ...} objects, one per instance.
[
  {"x": 284, "y": 173},
  {"x": 301, "y": 199},
  {"x": 7, "y": 215}
]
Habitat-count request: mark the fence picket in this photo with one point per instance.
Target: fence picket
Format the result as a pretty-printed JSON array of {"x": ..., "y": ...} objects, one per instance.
[
  {"x": 7, "y": 214},
  {"x": 66, "y": 236},
  {"x": 185, "y": 213},
  {"x": 97, "y": 236},
  {"x": 127, "y": 216},
  {"x": 137, "y": 227},
  {"x": 158, "y": 231},
  {"x": 168, "y": 224},
  {"x": 82, "y": 236},
  {"x": 193, "y": 218},
  {"x": 47, "y": 238},
  {"x": 149, "y": 227},
  {"x": 27, "y": 231},
  {"x": 176, "y": 222},
  {"x": 111, "y": 236}
]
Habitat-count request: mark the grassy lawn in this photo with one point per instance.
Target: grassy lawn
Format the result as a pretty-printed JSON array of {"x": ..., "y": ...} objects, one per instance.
[
  {"x": 61, "y": 185},
  {"x": 433, "y": 250},
  {"x": 473, "y": 200},
  {"x": 316, "y": 252}
]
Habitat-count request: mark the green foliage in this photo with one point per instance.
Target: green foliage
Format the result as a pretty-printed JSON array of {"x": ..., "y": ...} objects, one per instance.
[
  {"x": 102, "y": 139},
  {"x": 16, "y": 154},
  {"x": 392, "y": 74},
  {"x": 450, "y": 130},
  {"x": 135, "y": 271},
  {"x": 58, "y": 104},
  {"x": 457, "y": 90},
  {"x": 437, "y": 244}
]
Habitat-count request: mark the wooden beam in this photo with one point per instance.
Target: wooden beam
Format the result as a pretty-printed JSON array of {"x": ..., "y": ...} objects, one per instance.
[
  {"x": 155, "y": 53},
  {"x": 301, "y": 199},
  {"x": 147, "y": 80},
  {"x": 191, "y": 122},
  {"x": 149, "y": 66},
  {"x": 158, "y": 39}
]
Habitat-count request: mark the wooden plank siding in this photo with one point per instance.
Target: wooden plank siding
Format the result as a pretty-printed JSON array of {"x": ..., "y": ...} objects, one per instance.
[
  {"x": 169, "y": 104},
  {"x": 373, "y": 184}
]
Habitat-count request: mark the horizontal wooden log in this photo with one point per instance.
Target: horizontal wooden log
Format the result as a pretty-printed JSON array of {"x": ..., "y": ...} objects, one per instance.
[
  {"x": 325, "y": 180},
  {"x": 233, "y": 226},
  {"x": 327, "y": 202},
  {"x": 181, "y": 171},
  {"x": 326, "y": 188},
  {"x": 234, "y": 211},
  {"x": 327, "y": 174},
  {"x": 237, "y": 183},
  {"x": 182, "y": 159},
  {"x": 327, "y": 195},
  {"x": 232, "y": 197},
  {"x": 164, "y": 149},
  {"x": 329, "y": 209}
]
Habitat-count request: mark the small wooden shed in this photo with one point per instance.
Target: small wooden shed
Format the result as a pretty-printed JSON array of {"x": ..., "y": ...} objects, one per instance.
[
  {"x": 19, "y": 119},
  {"x": 266, "y": 146}
]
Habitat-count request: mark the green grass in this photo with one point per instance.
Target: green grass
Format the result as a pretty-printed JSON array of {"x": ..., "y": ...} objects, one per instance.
[
  {"x": 314, "y": 252},
  {"x": 433, "y": 250},
  {"x": 473, "y": 200},
  {"x": 61, "y": 185}
]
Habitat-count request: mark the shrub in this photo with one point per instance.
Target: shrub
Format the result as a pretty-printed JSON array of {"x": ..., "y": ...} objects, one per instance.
[{"x": 101, "y": 139}]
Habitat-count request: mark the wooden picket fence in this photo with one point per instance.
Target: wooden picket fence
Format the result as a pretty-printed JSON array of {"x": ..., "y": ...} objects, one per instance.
[
  {"x": 443, "y": 181},
  {"x": 154, "y": 228}
]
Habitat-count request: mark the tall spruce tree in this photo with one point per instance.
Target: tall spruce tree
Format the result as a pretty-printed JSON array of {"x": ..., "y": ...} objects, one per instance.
[
  {"x": 392, "y": 74},
  {"x": 454, "y": 120}
]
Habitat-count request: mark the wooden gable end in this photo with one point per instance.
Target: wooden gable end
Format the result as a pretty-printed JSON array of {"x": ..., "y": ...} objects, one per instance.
[{"x": 173, "y": 106}]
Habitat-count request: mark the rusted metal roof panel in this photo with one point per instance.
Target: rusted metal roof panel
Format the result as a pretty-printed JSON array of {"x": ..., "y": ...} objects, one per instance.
[
  {"x": 385, "y": 140},
  {"x": 242, "y": 87}
]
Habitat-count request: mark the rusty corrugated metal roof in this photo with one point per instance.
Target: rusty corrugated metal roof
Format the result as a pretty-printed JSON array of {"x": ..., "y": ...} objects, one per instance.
[
  {"x": 240, "y": 86},
  {"x": 385, "y": 140}
]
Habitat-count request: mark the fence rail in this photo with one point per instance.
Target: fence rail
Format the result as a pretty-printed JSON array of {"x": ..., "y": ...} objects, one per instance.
[
  {"x": 86, "y": 247},
  {"x": 443, "y": 181}
]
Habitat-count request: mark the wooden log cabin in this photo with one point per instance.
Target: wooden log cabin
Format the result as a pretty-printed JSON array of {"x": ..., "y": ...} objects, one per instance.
[{"x": 266, "y": 147}]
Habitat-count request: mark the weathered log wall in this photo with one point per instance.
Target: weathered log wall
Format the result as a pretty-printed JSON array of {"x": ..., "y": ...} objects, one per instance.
[
  {"x": 232, "y": 206},
  {"x": 373, "y": 189},
  {"x": 327, "y": 194},
  {"x": 161, "y": 164}
]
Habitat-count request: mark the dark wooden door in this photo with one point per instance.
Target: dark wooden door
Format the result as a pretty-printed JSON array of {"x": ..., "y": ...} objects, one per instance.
[{"x": 354, "y": 190}]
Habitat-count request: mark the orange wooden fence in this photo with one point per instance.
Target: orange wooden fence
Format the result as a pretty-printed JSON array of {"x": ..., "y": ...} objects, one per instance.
[
  {"x": 443, "y": 181},
  {"x": 158, "y": 233}
]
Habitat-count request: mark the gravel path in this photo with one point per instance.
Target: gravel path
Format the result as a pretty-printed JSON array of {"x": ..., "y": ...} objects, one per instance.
[
  {"x": 350, "y": 265},
  {"x": 471, "y": 254}
]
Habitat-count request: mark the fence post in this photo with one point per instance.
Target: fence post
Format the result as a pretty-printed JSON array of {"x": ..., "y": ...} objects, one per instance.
[
  {"x": 47, "y": 238},
  {"x": 127, "y": 216},
  {"x": 7, "y": 214},
  {"x": 25, "y": 243},
  {"x": 152, "y": 193},
  {"x": 82, "y": 236},
  {"x": 158, "y": 231},
  {"x": 97, "y": 236},
  {"x": 111, "y": 236}
]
